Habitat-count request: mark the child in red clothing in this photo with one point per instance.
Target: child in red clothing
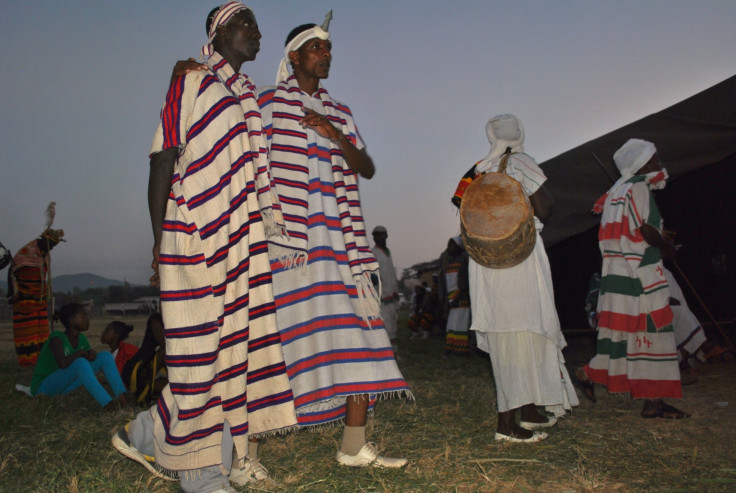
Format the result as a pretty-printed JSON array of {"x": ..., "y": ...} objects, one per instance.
[{"x": 114, "y": 336}]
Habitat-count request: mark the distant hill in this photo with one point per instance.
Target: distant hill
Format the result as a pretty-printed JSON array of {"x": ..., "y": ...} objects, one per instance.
[{"x": 67, "y": 282}]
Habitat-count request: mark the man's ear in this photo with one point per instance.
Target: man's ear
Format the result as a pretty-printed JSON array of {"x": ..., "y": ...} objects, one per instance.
[
  {"x": 221, "y": 32},
  {"x": 294, "y": 57}
]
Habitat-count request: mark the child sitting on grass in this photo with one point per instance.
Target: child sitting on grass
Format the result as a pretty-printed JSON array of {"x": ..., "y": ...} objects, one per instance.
[
  {"x": 66, "y": 362},
  {"x": 145, "y": 373},
  {"x": 114, "y": 336}
]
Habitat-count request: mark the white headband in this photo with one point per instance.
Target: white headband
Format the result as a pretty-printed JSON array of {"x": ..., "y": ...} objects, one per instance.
[
  {"x": 223, "y": 15},
  {"x": 320, "y": 32}
]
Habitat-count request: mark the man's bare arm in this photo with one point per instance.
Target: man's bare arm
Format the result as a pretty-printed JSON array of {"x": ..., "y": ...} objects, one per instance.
[{"x": 159, "y": 187}]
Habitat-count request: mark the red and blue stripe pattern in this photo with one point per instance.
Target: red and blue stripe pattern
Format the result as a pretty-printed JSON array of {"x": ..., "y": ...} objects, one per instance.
[
  {"x": 223, "y": 349},
  {"x": 334, "y": 342}
]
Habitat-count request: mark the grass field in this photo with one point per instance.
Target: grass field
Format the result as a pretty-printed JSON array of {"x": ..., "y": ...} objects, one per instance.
[{"x": 63, "y": 443}]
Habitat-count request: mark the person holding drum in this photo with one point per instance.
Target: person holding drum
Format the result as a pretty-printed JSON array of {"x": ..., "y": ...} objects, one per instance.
[{"x": 502, "y": 206}]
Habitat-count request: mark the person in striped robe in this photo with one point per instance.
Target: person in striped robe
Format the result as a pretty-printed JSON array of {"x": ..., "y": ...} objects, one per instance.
[
  {"x": 208, "y": 188},
  {"x": 636, "y": 351},
  {"x": 338, "y": 355},
  {"x": 456, "y": 295}
]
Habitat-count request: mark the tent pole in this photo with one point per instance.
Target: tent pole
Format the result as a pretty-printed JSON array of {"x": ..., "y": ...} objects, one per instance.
[
  {"x": 603, "y": 167},
  {"x": 710, "y": 315}
]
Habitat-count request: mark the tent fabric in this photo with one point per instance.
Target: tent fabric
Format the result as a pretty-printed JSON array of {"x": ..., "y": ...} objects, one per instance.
[{"x": 692, "y": 134}]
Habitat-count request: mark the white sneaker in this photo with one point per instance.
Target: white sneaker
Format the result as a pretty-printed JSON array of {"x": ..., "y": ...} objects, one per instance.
[
  {"x": 537, "y": 436},
  {"x": 528, "y": 425},
  {"x": 252, "y": 472},
  {"x": 23, "y": 388},
  {"x": 368, "y": 456}
]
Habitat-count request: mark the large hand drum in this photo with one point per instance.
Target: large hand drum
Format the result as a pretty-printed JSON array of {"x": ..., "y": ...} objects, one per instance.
[{"x": 497, "y": 221}]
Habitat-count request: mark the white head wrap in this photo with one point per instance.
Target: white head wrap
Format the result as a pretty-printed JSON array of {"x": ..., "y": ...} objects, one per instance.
[
  {"x": 222, "y": 16},
  {"x": 321, "y": 32},
  {"x": 503, "y": 131},
  {"x": 632, "y": 156}
]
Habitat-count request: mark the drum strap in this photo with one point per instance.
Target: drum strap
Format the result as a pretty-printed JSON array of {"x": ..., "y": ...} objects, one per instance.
[{"x": 504, "y": 162}]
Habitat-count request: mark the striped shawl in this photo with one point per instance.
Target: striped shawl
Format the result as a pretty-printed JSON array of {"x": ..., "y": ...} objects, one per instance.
[
  {"x": 223, "y": 351},
  {"x": 328, "y": 313}
]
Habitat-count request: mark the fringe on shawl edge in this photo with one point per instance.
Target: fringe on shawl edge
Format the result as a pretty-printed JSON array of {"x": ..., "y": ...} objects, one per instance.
[{"x": 381, "y": 396}]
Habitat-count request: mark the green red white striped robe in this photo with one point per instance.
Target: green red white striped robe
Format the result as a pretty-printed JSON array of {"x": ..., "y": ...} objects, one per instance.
[{"x": 636, "y": 351}]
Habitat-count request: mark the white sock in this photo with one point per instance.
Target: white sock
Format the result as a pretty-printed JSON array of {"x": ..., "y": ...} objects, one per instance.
[
  {"x": 353, "y": 439},
  {"x": 253, "y": 450}
]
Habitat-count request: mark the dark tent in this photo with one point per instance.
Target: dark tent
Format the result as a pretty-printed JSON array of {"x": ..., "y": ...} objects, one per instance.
[{"x": 696, "y": 140}]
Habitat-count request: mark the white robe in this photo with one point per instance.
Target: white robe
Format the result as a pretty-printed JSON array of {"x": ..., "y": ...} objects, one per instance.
[{"x": 516, "y": 322}]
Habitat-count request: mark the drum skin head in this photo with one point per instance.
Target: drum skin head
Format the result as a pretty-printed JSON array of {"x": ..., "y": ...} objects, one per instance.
[{"x": 497, "y": 221}]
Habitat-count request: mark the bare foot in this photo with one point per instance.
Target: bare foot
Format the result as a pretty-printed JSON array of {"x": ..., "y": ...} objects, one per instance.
[
  {"x": 655, "y": 408},
  {"x": 507, "y": 426},
  {"x": 582, "y": 382},
  {"x": 531, "y": 414},
  {"x": 123, "y": 400}
]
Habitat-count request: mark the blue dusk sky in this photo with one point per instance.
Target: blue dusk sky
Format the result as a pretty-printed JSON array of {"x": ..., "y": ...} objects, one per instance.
[{"x": 83, "y": 82}]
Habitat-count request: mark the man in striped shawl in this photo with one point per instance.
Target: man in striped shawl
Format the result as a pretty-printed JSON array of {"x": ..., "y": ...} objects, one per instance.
[
  {"x": 338, "y": 356},
  {"x": 636, "y": 351},
  {"x": 227, "y": 378}
]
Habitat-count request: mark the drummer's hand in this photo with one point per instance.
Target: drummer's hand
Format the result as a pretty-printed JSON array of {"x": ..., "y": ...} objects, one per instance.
[{"x": 669, "y": 235}]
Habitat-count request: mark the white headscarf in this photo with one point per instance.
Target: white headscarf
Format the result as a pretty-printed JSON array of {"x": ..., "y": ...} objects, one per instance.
[
  {"x": 629, "y": 159},
  {"x": 632, "y": 156},
  {"x": 504, "y": 132},
  {"x": 320, "y": 32},
  {"x": 222, "y": 16}
]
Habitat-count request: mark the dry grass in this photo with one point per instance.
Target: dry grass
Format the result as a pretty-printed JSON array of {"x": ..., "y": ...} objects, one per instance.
[{"x": 63, "y": 444}]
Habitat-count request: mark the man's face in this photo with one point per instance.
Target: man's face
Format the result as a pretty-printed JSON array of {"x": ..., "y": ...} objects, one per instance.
[
  {"x": 379, "y": 238},
  {"x": 313, "y": 58},
  {"x": 243, "y": 36},
  {"x": 654, "y": 164}
]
